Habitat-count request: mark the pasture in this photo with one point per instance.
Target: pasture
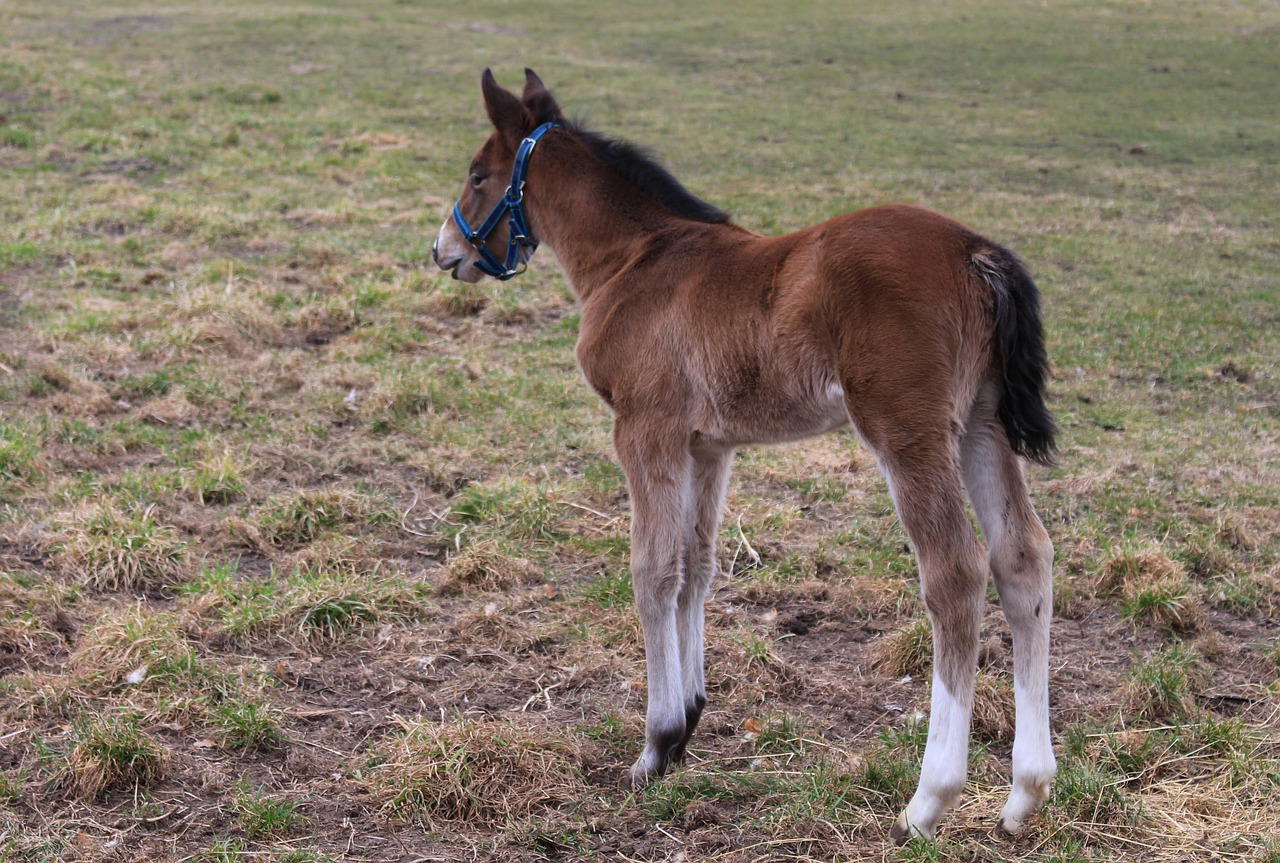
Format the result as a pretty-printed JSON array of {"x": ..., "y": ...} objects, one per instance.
[{"x": 309, "y": 553}]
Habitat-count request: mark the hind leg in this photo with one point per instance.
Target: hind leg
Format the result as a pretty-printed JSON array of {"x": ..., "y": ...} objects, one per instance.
[
  {"x": 923, "y": 474},
  {"x": 710, "y": 481},
  {"x": 1021, "y": 559},
  {"x": 656, "y": 459}
]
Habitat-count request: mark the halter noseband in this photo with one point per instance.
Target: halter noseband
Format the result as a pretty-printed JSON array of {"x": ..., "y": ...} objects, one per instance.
[{"x": 512, "y": 201}]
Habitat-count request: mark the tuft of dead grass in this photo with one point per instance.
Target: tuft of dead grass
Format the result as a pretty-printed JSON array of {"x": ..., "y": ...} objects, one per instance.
[
  {"x": 142, "y": 660},
  {"x": 303, "y": 516},
  {"x": 328, "y": 590},
  {"x": 1150, "y": 585},
  {"x": 1234, "y": 533},
  {"x": 322, "y": 322},
  {"x": 218, "y": 477},
  {"x": 229, "y": 319},
  {"x": 495, "y": 626},
  {"x": 337, "y": 587},
  {"x": 483, "y": 566},
  {"x": 117, "y": 548},
  {"x": 1133, "y": 566},
  {"x": 993, "y": 707},
  {"x": 475, "y": 772},
  {"x": 172, "y": 409},
  {"x": 906, "y": 650},
  {"x": 111, "y": 754},
  {"x": 73, "y": 393},
  {"x": 128, "y": 638},
  {"x": 458, "y": 300}
]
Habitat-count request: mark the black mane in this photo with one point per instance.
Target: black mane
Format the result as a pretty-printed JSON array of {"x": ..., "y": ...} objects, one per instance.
[{"x": 643, "y": 171}]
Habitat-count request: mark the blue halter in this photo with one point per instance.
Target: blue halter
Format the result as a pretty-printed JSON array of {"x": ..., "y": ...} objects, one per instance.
[{"x": 512, "y": 201}]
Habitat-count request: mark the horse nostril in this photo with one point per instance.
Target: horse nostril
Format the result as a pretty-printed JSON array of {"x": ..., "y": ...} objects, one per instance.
[{"x": 435, "y": 250}]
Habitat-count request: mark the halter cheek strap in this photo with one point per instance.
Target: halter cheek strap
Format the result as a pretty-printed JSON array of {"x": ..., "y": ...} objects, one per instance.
[{"x": 512, "y": 202}]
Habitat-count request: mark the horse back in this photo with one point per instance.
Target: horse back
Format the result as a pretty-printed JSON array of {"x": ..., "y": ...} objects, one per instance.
[{"x": 758, "y": 337}]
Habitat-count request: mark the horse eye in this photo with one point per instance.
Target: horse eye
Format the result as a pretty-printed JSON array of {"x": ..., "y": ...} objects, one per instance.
[{"x": 476, "y": 180}]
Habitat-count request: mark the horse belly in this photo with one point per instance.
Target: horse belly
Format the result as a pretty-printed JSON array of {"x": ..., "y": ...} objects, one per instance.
[{"x": 777, "y": 418}]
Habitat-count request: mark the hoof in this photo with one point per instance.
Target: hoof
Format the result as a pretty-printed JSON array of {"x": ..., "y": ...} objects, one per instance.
[
  {"x": 638, "y": 777},
  {"x": 1008, "y": 828},
  {"x": 899, "y": 832},
  {"x": 903, "y": 832},
  {"x": 662, "y": 749},
  {"x": 692, "y": 713},
  {"x": 1023, "y": 803},
  {"x": 648, "y": 767}
]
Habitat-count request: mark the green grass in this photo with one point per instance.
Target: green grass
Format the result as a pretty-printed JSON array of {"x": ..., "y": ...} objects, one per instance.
[
  {"x": 334, "y": 589},
  {"x": 218, "y": 479},
  {"x": 10, "y": 788},
  {"x": 248, "y": 725},
  {"x": 112, "y": 753},
  {"x": 1162, "y": 686},
  {"x": 305, "y": 516},
  {"x": 260, "y": 815},
  {"x": 223, "y": 851},
  {"x": 19, "y": 453},
  {"x": 258, "y": 455},
  {"x": 891, "y": 767},
  {"x": 119, "y": 548},
  {"x": 611, "y": 589}
]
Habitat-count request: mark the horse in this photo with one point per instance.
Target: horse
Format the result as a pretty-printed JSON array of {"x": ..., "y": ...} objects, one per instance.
[{"x": 702, "y": 337}]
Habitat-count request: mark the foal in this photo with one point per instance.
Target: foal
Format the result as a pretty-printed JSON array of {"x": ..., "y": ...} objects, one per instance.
[{"x": 702, "y": 336}]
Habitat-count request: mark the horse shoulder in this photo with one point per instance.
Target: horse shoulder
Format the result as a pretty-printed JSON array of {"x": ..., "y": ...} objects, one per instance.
[{"x": 627, "y": 348}]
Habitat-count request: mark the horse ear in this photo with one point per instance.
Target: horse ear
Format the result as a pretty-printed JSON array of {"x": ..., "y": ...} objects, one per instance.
[
  {"x": 539, "y": 101},
  {"x": 502, "y": 106}
]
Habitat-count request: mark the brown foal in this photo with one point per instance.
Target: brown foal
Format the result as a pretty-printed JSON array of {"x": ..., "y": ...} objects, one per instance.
[{"x": 702, "y": 337}]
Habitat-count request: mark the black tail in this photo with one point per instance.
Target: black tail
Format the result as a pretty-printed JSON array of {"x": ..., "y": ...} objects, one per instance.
[{"x": 1021, "y": 357}]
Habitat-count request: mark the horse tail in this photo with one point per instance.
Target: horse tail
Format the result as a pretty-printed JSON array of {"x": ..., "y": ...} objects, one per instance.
[{"x": 1021, "y": 361}]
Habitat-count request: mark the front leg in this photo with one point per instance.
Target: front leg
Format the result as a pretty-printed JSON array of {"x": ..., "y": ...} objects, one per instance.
[
  {"x": 710, "y": 482},
  {"x": 656, "y": 459}
]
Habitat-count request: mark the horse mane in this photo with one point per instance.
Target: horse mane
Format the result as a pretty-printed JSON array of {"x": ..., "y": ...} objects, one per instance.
[{"x": 641, "y": 169}]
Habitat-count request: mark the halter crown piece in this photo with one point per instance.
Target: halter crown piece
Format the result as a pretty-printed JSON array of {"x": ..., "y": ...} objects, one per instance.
[{"x": 511, "y": 202}]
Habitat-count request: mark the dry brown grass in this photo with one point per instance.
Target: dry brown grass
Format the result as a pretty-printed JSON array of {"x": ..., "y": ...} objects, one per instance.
[
  {"x": 1150, "y": 585},
  {"x": 495, "y": 625},
  {"x": 125, "y": 639},
  {"x": 115, "y": 547},
  {"x": 1129, "y": 568},
  {"x": 484, "y": 567},
  {"x": 19, "y": 638},
  {"x": 459, "y": 301},
  {"x": 478, "y": 772},
  {"x": 993, "y": 714},
  {"x": 77, "y": 394},
  {"x": 906, "y": 650},
  {"x": 391, "y": 499},
  {"x": 301, "y": 516},
  {"x": 113, "y": 754},
  {"x": 329, "y": 590}
]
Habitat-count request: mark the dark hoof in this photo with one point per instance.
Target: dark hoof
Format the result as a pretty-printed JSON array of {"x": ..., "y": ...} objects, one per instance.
[
  {"x": 692, "y": 714},
  {"x": 670, "y": 744},
  {"x": 900, "y": 833}
]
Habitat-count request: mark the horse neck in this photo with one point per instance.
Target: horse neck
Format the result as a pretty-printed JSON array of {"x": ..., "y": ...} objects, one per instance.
[{"x": 595, "y": 221}]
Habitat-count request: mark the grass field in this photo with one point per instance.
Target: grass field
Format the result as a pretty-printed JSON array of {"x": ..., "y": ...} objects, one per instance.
[{"x": 308, "y": 553}]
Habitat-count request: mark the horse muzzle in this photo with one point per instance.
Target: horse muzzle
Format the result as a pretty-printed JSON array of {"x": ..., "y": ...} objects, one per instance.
[{"x": 451, "y": 254}]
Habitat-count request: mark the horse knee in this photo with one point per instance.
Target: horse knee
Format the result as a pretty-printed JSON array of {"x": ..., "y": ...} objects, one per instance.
[
  {"x": 953, "y": 586},
  {"x": 656, "y": 586},
  {"x": 1023, "y": 573}
]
